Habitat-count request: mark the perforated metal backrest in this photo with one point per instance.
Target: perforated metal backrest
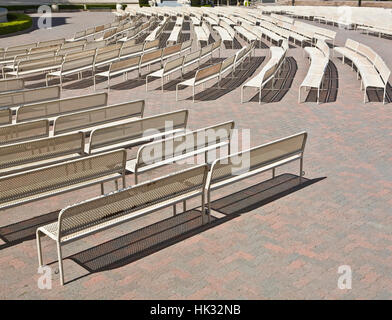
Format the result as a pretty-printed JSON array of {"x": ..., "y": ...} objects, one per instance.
[
  {"x": 351, "y": 44},
  {"x": 108, "y": 55},
  {"x": 14, "y": 133},
  {"x": 79, "y": 55},
  {"x": 205, "y": 50},
  {"x": 130, "y": 43},
  {"x": 72, "y": 44},
  {"x": 186, "y": 44},
  {"x": 5, "y": 116},
  {"x": 62, "y": 106},
  {"x": 50, "y": 42},
  {"x": 151, "y": 44},
  {"x": 125, "y": 64},
  {"x": 367, "y": 52},
  {"x": 69, "y": 50},
  {"x": 77, "y": 63},
  {"x": 117, "y": 204},
  {"x": 33, "y": 56},
  {"x": 184, "y": 143},
  {"x": 53, "y": 177},
  {"x": 90, "y": 118},
  {"x": 11, "y": 54},
  {"x": 151, "y": 56},
  {"x": 171, "y": 50},
  {"x": 138, "y": 129},
  {"x": 17, "y": 98},
  {"x": 41, "y": 149},
  {"x": 192, "y": 56},
  {"x": 173, "y": 64},
  {"x": 257, "y": 157},
  {"x": 136, "y": 49},
  {"x": 228, "y": 62},
  {"x": 45, "y": 49},
  {"x": 11, "y": 85},
  {"x": 94, "y": 45},
  {"x": 382, "y": 68},
  {"x": 216, "y": 45},
  {"x": 208, "y": 71},
  {"x": 37, "y": 64},
  {"x": 22, "y": 47},
  {"x": 322, "y": 45}
]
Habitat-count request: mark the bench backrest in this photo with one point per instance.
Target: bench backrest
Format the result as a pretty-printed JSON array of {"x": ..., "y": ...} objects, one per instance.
[
  {"x": 59, "y": 107},
  {"x": 72, "y": 44},
  {"x": 15, "y": 133},
  {"x": 5, "y": 116},
  {"x": 322, "y": 45},
  {"x": 351, "y": 44},
  {"x": 367, "y": 52},
  {"x": 192, "y": 56},
  {"x": 33, "y": 182},
  {"x": 216, "y": 45},
  {"x": 75, "y": 49},
  {"x": 382, "y": 68},
  {"x": 136, "y": 49},
  {"x": 228, "y": 62},
  {"x": 151, "y": 56},
  {"x": 205, "y": 50},
  {"x": 206, "y": 29},
  {"x": 74, "y": 64},
  {"x": 107, "y": 55},
  {"x": 171, "y": 50},
  {"x": 137, "y": 129},
  {"x": 90, "y": 118},
  {"x": 94, "y": 45},
  {"x": 79, "y": 55},
  {"x": 33, "y": 56},
  {"x": 151, "y": 44},
  {"x": 183, "y": 144},
  {"x": 186, "y": 44},
  {"x": 208, "y": 71},
  {"x": 22, "y": 47},
  {"x": 45, "y": 49},
  {"x": 37, "y": 64},
  {"x": 50, "y": 42},
  {"x": 245, "y": 161},
  {"x": 18, "y": 98},
  {"x": 11, "y": 85},
  {"x": 41, "y": 149},
  {"x": 173, "y": 64},
  {"x": 125, "y": 64},
  {"x": 117, "y": 204}
]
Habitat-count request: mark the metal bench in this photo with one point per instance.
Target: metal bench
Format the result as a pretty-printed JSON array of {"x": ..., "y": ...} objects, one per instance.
[
  {"x": 15, "y": 133},
  {"x": 5, "y": 116},
  {"x": 179, "y": 147},
  {"x": 11, "y": 85},
  {"x": 89, "y": 217}
]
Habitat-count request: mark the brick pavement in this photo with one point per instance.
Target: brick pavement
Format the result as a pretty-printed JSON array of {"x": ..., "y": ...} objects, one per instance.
[{"x": 275, "y": 240}]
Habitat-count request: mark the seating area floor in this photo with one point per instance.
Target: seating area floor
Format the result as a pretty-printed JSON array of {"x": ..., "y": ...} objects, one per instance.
[{"x": 280, "y": 238}]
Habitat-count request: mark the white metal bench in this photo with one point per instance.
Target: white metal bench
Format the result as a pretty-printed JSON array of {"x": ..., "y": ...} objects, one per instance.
[{"x": 89, "y": 217}]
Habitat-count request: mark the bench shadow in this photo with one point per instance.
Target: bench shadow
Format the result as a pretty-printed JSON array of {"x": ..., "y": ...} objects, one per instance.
[
  {"x": 230, "y": 82},
  {"x": 143, "y": 242},
  {"x": 19, "y": 232},
  {"x": 281, "y": 86},
  {"x": 329, "y": 92}
]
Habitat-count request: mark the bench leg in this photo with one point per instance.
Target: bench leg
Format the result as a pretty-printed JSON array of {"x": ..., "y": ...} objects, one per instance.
[
  {"x": 208, "y": 205},
  {"x": 39, "y": 249},
  {"x": 273, "y": 173},
  {"x": 174, "y": 209},
  {"x": 116, "y": 183},
  {"x": 102, "y": 189},
  {"x": 301, "y": 168},
  {"x": 184, "y": 205},
  {"x": 60, "y": 259}
]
